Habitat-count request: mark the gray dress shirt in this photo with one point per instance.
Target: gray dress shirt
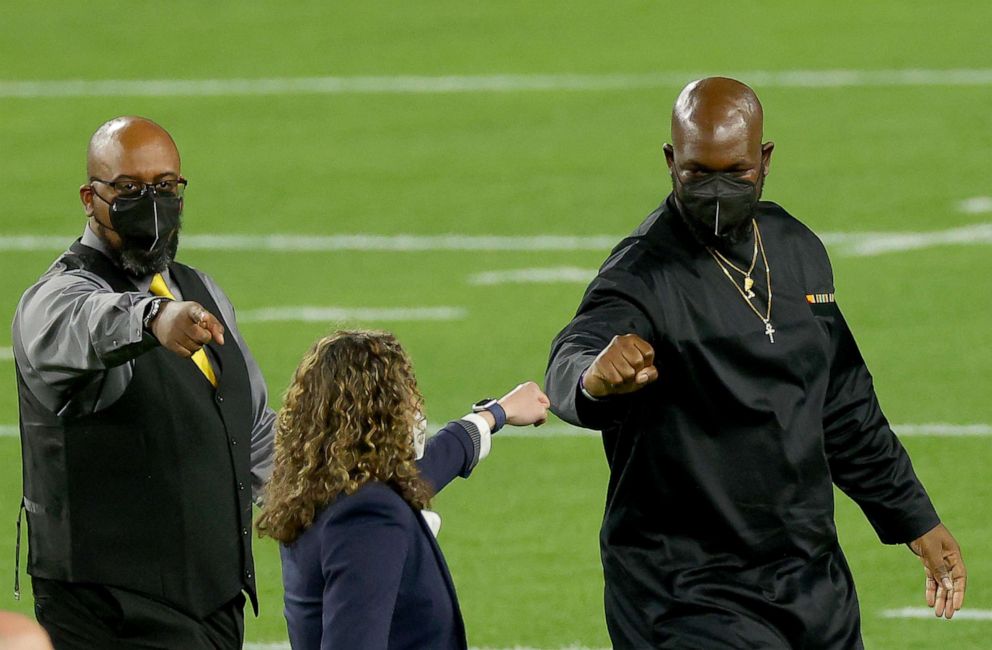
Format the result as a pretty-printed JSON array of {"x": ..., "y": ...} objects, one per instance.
[{"x": 75, "y": 341}]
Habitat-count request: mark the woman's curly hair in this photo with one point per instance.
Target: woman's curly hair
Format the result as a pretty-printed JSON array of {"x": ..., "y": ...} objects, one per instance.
[{"x": 347, "y": 419}]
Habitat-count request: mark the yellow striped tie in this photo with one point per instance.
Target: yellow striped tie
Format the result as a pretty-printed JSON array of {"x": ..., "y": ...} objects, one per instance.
[{"x": 199, "y": 357}]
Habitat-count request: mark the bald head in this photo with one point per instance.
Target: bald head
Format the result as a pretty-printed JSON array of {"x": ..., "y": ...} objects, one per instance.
[
  {"x": 129, "y": 141},
  {"x": 717, "y": 125},
  {"x": 717, "y": 109}
]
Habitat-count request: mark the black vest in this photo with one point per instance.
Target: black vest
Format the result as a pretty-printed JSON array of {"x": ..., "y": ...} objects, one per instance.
[{"x": 153, "y": 493}]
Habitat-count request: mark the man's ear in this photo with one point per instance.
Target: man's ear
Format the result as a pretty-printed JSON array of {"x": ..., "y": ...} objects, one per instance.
[
  {"x": 86, "y": 198},
  {"x": 669, "y": 156},
  {"x": 766, "y": 156}
]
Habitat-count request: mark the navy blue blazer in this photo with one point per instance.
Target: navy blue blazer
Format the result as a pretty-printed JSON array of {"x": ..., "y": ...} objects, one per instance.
[{"x": 368, "y": 573}]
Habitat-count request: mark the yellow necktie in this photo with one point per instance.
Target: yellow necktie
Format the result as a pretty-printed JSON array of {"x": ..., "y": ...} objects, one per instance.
[{"x": 159, "y": 288}]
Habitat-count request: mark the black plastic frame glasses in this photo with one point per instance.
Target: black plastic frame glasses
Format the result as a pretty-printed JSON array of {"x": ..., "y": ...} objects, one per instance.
[{"x": 129, "y": 188}]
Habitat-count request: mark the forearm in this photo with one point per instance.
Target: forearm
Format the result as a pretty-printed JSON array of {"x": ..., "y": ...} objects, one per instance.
[
  {"x": 866, "y": 459},
  {"x": 454, "y": 451},
  {"x": 69, "y": 327}
]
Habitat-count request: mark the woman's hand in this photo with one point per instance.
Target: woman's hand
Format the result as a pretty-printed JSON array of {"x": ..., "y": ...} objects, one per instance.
[{"x": 526, "y": 404}]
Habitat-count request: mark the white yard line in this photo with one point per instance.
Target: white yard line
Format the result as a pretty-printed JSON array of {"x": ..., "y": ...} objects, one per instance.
[
  {"x": 287, "y": 243},
  {"x": 926, "y": 430},
  {"x": 563, "y": 430},
  {"x": 976, "y": 205},
  {"x": 842, "y": 243},
  {"x": 926, "y": 612},
  {"x": 6, "y": 354},
  {"x": 483, "y": 83},
  {"x": 315, "y": 314},
  {"x": 542, "y": 275}
]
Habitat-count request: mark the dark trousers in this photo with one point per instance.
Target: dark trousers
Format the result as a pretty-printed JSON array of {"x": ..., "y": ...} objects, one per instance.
[{"x": 98, "y": 617}]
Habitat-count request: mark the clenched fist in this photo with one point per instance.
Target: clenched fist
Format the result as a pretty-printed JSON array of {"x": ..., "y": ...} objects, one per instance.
[
  {"x": 185, "y": 327},
  {"x": 625, "y": 366},
  {"x": 526, "y": 404}
]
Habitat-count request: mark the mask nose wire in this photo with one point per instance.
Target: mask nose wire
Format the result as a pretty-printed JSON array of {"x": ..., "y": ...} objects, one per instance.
[{"x": 155, "y": 213}]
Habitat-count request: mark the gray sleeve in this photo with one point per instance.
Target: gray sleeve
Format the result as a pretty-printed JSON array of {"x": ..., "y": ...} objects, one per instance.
[
  {"x": 615, "y": 303},
  {"x": 263, "y": 417},
  {"x": 71, "y": 333}
]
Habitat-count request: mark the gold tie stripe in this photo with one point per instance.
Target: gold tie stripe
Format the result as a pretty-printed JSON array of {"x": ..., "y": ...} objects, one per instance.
[{"x": 159, "y": 288}]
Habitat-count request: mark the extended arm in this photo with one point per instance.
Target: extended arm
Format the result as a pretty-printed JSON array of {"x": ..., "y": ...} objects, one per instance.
[{"x": 613, "y": 314}]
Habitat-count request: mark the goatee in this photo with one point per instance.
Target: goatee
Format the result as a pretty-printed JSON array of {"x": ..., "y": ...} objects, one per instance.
[{"x": 139, "y": 261}]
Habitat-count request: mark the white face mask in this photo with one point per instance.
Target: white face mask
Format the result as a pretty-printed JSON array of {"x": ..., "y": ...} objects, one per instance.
[{"x": 419, "y": 436}]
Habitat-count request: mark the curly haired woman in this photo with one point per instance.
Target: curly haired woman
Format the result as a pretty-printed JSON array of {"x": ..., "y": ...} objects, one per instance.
[{"x": 352, "y": 479}]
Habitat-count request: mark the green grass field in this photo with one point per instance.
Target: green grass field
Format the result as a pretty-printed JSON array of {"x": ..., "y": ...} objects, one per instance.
[{"x": 521, "y": 535}]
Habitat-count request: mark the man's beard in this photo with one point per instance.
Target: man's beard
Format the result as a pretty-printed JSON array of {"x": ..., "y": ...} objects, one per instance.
[{"x": 136, "y": 259}]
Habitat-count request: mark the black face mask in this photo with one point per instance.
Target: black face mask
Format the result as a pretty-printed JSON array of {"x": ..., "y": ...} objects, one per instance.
[
  {"x": 719, "y": 206},
  {"x": 148, "y": 226}
]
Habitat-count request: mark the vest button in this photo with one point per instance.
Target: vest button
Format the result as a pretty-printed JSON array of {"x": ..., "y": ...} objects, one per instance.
[
  {"x": 234, "y": 442},
  {"x": 248, "y": 574},
  {"x": 244, "y": 531},
  {"x": 220, "y": 398},
  {"x": 241, "y": 486}
]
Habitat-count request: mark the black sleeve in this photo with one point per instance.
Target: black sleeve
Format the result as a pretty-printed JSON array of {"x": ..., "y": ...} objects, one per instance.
[
  {"x": 866, "y": 459},
  {"x": 616, "y": 303}
]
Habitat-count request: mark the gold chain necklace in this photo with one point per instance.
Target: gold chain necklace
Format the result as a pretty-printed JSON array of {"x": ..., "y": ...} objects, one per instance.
[
  {"x": 748, "y": 281},
  {"x": 759, "y": 245}
]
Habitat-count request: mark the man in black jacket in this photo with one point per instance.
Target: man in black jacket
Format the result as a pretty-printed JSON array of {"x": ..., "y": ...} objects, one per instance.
[
  {"x": 731, "y": 395},
  {"x": 144, "y": 421}
]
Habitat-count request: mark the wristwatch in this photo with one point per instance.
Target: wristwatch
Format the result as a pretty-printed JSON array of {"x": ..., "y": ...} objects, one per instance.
[
  {"x": 151, "y": 312},
  {"x": 490, "y": 404}
]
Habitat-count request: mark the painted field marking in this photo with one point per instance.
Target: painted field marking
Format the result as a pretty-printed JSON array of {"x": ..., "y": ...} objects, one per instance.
[
  {"x": 286, "y": 243},
  {"x": 543, "y": 275},
  {"x": 564, "y": 430},
  {"x": 315, "y": 314},
  {"x": 6, "y": 354},
  {"x": 976, "y": 205},
  {"x": 842, "y": 243},
  {"x": 481, "y": 83},
  {"x": 935, "y": 430},
  {"x": 926, "y": 612}
]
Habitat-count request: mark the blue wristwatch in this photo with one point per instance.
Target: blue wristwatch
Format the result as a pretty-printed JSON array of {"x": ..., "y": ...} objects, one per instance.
[{"x": 494, "y": 408}]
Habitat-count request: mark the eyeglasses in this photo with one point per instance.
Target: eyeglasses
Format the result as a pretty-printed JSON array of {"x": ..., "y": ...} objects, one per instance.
[{"x": 131, "y": 189}]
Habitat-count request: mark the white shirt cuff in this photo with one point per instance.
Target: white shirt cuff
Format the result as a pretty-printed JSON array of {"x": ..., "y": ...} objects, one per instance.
[{"x": 485, "y": 434}]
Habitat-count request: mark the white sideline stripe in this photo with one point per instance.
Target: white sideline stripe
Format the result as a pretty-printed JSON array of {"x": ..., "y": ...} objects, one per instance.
[
  {"x": 6, "y": 354},
  {"x": 976, "y": 205},
  {"x": 484, "y": 83},
  {"x": 360, "y": 242},
  {"x": 563, "y": 430},
  {"x": 934, "y": 430},
  {"x": 314, "y": 314},
  {"x": 842, "y": 243},
  {"x": 862, "y": 245},
  {"x": 926, "y": 612},
  {"x": 546, "y": 275}
]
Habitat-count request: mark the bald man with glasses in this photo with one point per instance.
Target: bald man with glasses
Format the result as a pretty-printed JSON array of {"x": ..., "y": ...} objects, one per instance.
[{"x": 145, "y": 429}]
